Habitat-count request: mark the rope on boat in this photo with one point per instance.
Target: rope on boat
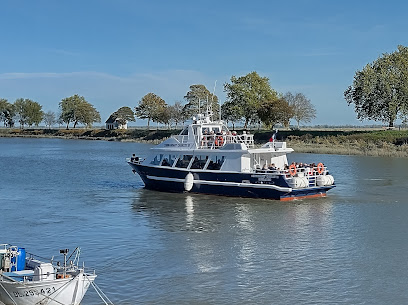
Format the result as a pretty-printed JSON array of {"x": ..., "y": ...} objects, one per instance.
[
  {"x": 51, "y": 298},
  {"x": 100, "y": 293}
]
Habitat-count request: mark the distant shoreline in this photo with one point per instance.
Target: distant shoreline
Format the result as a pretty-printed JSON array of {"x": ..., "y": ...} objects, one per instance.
[{"x": 380, "y": 143}]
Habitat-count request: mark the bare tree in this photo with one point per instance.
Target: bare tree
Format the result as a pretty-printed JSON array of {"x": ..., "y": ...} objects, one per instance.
[
  {"x": 303, "y": 109},
  {"x": 49, "y": 119}
]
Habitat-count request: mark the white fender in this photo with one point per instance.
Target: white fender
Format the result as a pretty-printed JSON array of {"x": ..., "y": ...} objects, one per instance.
[
  {"x": 298, "y": 182},
  {"x": 321, "y": 180},
  {"x": 188, "y": 182},
  {"x": 330, "y": 180}
]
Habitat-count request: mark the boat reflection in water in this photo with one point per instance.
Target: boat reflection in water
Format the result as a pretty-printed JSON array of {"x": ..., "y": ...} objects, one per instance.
[{"x": 229, "y": 236}]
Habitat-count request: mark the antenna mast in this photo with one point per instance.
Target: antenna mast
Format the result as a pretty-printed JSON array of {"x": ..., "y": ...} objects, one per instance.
[{"x": 212, "y": 99}]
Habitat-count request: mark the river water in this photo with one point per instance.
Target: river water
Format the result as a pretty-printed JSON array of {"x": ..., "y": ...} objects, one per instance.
[{"x": 159, "y": 248}]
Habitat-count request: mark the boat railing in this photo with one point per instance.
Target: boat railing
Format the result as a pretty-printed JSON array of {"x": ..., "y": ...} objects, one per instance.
[
  {"x": 135, "y": 160},
  {"x": 214, "y": 141},
  {"x": 183, "y": 139},
  {"x": 311, "y": 175}
]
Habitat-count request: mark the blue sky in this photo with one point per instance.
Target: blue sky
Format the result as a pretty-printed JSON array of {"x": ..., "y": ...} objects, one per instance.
[{"x": 115, "y": 52}]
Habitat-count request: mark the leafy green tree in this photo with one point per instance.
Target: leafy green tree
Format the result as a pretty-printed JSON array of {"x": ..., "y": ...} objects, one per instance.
[
  {"x": 151, "y": 106},
  {"x": 34, "y": 113},
  {"x": 231, "y": 112},
  {"x": 277, "y": 111},
  {"x": 303, "y": 109},
  {"x": 249, "y": 92},
  {"x": 124, "y": 115},
  {"x": 75, "y": 109},
  {"x": 164, "y": 116},
  {"x": 197, "y": 100},
  {"x": 49, "y": 118},
  {"x": 20, "y": 111},
  {"x": 87, "y": 115},
  {"x": 380, "y": 90},
  {"x": 6, "y": 112},
  {"x": 28, "y": 112}
]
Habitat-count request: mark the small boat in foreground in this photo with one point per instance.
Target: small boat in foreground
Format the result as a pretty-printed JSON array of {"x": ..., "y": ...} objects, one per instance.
[
  {"x": 207, "y": 158},
  {"x": 26, "y": 279}
]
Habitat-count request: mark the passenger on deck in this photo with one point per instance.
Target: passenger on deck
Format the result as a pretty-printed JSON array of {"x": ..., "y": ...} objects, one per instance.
[
  {"x": 272, "y": 167},
  {"x": 211, "y": 139},
  {"x": 204, "y": 140},
  {"x": 265, "y": 167},
  {"x": 165, "y": 162},
  {"x": 133, "y": 158},
  {"x": 307, "y": 169}
]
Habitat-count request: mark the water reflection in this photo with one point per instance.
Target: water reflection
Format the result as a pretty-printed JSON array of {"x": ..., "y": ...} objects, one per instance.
[{"x": 189, "y": 210}]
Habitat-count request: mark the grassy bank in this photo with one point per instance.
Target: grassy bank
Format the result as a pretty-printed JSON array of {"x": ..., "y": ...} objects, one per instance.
[
  {"x": 351, "y": 142},
  {"x": 136, "y": 135},
  {"x": 392, "y": 143}
]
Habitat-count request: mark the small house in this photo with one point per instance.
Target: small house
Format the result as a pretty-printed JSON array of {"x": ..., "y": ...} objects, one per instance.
[{"x": 114, "y": 123}]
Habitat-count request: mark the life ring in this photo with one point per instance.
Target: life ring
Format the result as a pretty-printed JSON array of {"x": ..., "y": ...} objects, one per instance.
[
  {"x": 320, "y": 168},
  {"x": 292, "y": 169}
]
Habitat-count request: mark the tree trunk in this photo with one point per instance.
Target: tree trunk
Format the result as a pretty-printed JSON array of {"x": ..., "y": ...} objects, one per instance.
[{"x": 246, "y": 124}]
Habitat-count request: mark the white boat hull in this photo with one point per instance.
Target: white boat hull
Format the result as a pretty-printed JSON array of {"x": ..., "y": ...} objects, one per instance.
[{"x": 68, "y": 291}]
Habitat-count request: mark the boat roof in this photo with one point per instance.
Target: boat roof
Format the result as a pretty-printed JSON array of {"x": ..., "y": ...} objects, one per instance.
[{"x": 203, "y": 134}]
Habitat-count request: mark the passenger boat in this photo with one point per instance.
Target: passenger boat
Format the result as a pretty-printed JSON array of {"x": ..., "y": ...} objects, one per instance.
[
  {"x": 206, "y": 157},
  {"x": 26, "y": 279}
]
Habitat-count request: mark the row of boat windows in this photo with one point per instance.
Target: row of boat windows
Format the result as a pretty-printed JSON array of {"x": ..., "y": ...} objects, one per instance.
[{"x": 187, "y": 161}]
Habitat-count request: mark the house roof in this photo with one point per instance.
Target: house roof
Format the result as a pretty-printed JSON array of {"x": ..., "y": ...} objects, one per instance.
[{"x": 111, "y": 119}]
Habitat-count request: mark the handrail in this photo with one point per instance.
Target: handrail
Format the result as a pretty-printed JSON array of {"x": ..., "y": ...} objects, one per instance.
[
  {"x": 310, "y": 175},
  {"x": 214, "y": 141}
]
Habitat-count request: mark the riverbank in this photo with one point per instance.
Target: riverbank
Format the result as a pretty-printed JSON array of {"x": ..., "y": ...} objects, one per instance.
[
  {"x": 391, "y": 143},
  {"x": 130, "y": 135}
]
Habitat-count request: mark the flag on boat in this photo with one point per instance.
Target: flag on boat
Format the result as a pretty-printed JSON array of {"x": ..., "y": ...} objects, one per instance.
[{"x": 273, "y": 138}]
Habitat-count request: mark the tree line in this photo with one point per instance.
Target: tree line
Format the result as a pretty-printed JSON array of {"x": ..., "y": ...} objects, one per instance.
[
  {"x": 250, "y": 100},
  {"x": 379, "y": 92},
  {"x": 74, "y": 109}
]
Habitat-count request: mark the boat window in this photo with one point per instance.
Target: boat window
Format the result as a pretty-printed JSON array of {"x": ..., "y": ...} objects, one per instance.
[
  {"x": 183, "y": 161},
  {"x": 199, "y": 162},
  {"x": 157, "y": 160},
  {"x": 184, "y": 132},
  {"x": 168, "y": 160},
  {"x": 216, "y": 130},
  {"x": 215, "y": 162}
]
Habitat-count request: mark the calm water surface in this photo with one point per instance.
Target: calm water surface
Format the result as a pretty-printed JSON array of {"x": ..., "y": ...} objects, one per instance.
[{"x": 159, "y": 248}]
